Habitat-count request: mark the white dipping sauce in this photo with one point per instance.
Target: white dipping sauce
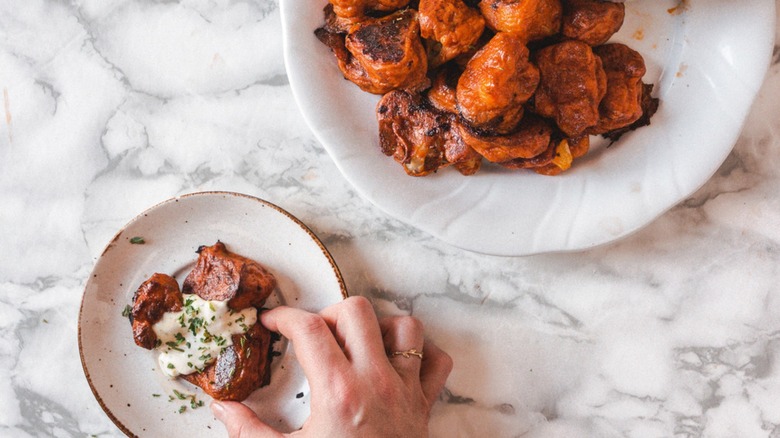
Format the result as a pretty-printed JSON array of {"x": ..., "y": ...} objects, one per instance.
[{"x": 191, "y": 339}]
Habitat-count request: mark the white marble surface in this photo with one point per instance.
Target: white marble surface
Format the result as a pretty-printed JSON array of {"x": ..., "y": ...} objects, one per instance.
[{"x": 110, "y": 106}]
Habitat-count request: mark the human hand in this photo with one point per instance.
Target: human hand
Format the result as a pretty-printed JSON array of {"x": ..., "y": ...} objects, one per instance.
[{"x": 358, "y": 387}]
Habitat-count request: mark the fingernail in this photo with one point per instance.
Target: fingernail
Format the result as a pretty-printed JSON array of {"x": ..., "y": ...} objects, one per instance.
[{"x": 217, "y": 409}]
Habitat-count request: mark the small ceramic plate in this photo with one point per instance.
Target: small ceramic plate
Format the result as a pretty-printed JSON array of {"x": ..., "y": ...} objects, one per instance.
[
  {"x": 125, "y": 378},
  {"x": 707, "y": 59}
]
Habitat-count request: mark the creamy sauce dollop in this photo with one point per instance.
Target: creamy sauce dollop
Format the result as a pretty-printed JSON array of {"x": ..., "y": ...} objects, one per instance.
[{"x": 191, "y": 339}]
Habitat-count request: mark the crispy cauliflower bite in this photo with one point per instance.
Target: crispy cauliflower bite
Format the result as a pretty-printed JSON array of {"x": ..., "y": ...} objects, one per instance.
[
  {"x": 420, "y": 137},
  {"x": 528, "y": 141},
  {"x": 622, "y": 104},
  {"x": 571, "y": 87},
  {"x": 529, "y": 19},
  {"x": 157, "y": 295},
  {"x": 451, "y": 26},
  {"x": 591, "y": 21},
  {"x": 390, "y": 51},
  {"x": 221, "y": 275},
  {"x": 496, "y": 83},
  {"x": 379, "y": 54},
  {"x": 355, "y": 10}
]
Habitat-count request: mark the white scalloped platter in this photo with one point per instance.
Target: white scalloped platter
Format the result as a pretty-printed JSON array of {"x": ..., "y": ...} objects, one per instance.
[
  {"x": 707, "y": 60},
  {"x": 126, "y": 379}
]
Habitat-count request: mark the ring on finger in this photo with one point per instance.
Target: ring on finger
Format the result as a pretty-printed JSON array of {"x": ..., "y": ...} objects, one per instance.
[{"x": 409, "y": 353}]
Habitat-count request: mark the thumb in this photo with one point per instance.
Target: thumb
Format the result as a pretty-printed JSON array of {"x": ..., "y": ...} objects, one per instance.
[{"x": 240, "y": 421}]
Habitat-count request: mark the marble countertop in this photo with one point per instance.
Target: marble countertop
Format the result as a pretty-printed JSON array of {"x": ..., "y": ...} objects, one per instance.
[{"x": 111, "y": 106}]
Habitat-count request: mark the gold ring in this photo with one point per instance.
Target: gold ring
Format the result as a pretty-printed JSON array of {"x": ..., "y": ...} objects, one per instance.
[{"x": 409, "y": 353}]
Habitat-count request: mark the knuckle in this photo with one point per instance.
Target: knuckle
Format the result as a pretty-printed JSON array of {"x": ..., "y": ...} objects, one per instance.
[
  {"x": 312, "y": 324},
  {"x": 410, "y": 324},
  {"x": 445, "y": 363},
  {"x": 358, "y": 302},
  {"x": 344, "y": 397},
  {"x": 358, "y": 306},
  {"x": 387, "y": 388},
  {"x": 241, "y": 431}
]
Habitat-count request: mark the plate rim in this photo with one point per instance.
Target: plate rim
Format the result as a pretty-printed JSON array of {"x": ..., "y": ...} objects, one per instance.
[{"x": 331, "y": 261}]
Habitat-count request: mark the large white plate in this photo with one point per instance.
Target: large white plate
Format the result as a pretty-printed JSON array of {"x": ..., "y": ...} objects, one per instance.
[
  {"x": 125, "y": 378},
  {"x": 707, "y": 59}
]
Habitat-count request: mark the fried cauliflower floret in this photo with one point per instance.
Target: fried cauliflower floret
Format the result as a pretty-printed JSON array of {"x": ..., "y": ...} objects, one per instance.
[
  {"x": 528, "y": 141},
  {"x": 496, "y": 83},
  {"x": 355, "y": 10},
  {"x": 592, "y": 21},
  {"x": 572, "y": 84},
  {"x": 451, "y": 26},
  {"x": 530, "y": 19},
  {"x": 622, "y": 105},
  {"x": 421, "y": 138},
  {"x": 381, "y": 54}
]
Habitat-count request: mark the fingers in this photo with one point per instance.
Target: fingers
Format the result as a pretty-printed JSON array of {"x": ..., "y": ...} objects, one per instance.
[
  {"x": 436, "y": 366},
  {"x": 401, "y": 334},
  {"x": 355, "y": 326},
  {"x": 404, "y": 333},
  {"x": 241, "y": 422},
  {"x": 325, "y": 344},
  {"x": 315, "y": 347},
  {"x": 349, "y": 332}
]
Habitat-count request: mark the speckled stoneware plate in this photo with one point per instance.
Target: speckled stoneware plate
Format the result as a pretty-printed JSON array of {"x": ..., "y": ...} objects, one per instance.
[
  {"x": 126, "y": 379},
  {"x": 707, "y": 59}
]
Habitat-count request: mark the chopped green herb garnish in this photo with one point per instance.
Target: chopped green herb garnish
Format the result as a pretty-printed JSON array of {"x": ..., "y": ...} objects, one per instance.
[
  {"x": 182, "y": 409},
  {"x": 195, "y": 324},
  {"x": 174, "y": 346},
  {"x": 137, "y": 240},
  {"x": 171, "y": 366},
  {"x": 155, "y": 395},
  {"x": 240, "y": 322},
  {"x": 127, "y": 311}
]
